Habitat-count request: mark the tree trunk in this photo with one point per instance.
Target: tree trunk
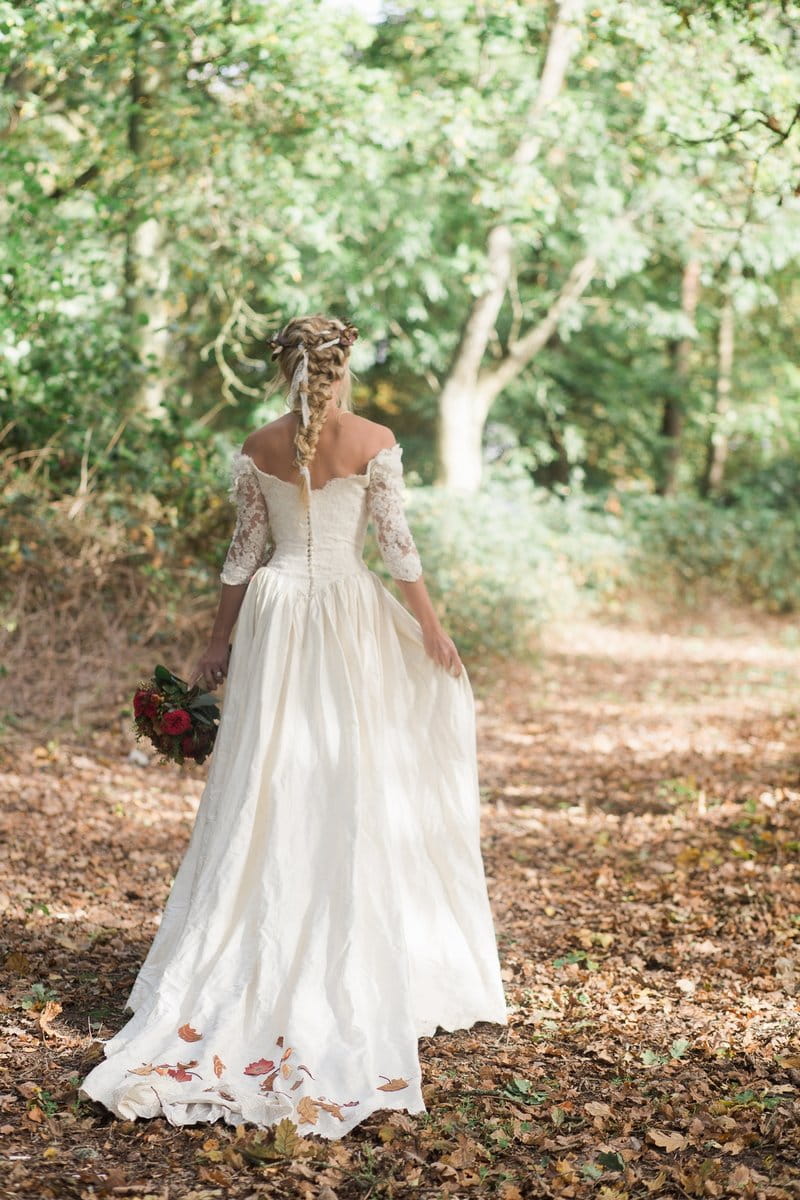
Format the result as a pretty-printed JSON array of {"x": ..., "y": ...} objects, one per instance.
[
  {"x": 467, "y": 395},
  {"x": 146, "y": 262},
  {"x": 673, "y": 414},
  {"x": 717, "y": 449}
]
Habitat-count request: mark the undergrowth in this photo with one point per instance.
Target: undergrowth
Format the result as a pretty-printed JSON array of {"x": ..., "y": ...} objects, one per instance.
[{"x": 95, "y": 585}]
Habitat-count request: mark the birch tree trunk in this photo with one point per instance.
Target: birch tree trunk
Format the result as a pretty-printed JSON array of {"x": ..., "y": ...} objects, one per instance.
[
  {"x": 146, "y": 260},
  {"x": 717, "y": 449},
  {"x": 673, "y": 414},
  {"x": 468, "y": 393}
]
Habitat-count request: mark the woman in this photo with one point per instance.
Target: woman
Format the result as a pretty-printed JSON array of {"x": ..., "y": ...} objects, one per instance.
[{"x": 331, "y": 907}]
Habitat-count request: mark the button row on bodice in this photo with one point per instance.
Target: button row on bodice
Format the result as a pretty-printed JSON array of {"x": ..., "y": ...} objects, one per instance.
[{"x": 326, "y": 563}]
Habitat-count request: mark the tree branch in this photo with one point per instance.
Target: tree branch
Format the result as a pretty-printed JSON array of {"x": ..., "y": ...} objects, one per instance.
[
  {"x": 491, "y": 382},
  {"x": 79, "y": 181}
]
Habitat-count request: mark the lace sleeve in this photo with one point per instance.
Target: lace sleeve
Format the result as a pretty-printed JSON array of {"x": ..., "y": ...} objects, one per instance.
[
  {"x": 252, "y": 535},
  {"x": 385, "y": 504}
]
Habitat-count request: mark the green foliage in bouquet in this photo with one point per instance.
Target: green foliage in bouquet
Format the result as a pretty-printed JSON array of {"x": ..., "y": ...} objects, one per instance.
[{"x": 181, "y": 722}]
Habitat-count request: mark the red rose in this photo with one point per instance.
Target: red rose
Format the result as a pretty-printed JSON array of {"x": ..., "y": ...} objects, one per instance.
[
  {"x": 141, "y": 703},
  {"x": 177, "y": 721}
]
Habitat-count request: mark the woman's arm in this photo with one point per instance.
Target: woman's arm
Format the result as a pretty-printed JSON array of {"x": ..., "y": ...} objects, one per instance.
[
  {"x": 437, "y": 644},
  {"x": 386, "y": 507},
  {"x": 213, "y": 663},
  {"x": 245, "y": 555}
]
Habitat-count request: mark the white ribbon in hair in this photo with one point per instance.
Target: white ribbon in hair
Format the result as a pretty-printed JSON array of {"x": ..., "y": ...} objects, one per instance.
[
  {"x": 300, "y": 378},
  {"x": 300, "y": 384}
]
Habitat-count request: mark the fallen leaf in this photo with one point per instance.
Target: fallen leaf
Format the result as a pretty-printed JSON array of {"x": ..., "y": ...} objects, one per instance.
[
  {"x": 48, "y": 1014},
  {"x": 17, "y": 962},
  {"x": 667, "y": 1141}
]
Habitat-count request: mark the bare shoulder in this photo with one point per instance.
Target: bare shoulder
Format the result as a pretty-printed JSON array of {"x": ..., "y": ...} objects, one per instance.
[
  {"x": 371, "y": 434},
  {"x": 270, "y": 441}
]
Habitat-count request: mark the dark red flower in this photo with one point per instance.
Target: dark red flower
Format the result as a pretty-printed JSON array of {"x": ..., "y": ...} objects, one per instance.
[
  {"x": 177, "y": 721},
  {"x": 141, "y": 703}
]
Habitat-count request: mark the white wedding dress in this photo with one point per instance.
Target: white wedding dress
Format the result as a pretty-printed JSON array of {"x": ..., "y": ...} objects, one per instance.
[{"x": 331, "y": 906}]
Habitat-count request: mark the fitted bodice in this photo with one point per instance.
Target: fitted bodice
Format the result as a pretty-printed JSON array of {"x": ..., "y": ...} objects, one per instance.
[{"x": 325, "y": 540}]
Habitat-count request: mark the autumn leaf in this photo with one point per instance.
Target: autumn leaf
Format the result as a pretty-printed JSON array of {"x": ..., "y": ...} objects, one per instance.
[
  {"x": 302, "y": 1068},
  {"x": 257, "y": 1150},
  {"x": 611, "y": 1161},
  {"x": 286, "y": 1053},
  {"x": 287, "y": 1140},
  {"x": 17, "y": 962},
  {"x": 597, "y": 1108},
  {"x": 219, "y": 1065},
  {"x": 48, "y": 1014},
  {"x": 260, "y": 1067},
  {"x": 666, "y": 1141},
  {"x": 392, "y": 1085},
  {"x": 269, "y": 1083},
  {"x": 188, "y": 1034}
]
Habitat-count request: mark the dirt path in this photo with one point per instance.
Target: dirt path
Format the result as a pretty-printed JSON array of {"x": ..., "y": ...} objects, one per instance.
[{"x": 642, "y": 843}]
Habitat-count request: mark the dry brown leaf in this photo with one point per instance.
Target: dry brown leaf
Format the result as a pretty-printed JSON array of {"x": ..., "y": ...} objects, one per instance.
[
  {"x": 509, "y": 1191},
  {"x": 48, "y": 1014},
  {"x": 17, "y": 962},
  {"x": 666, "y": 1141},
  {"x": 597, "y": 1108}
]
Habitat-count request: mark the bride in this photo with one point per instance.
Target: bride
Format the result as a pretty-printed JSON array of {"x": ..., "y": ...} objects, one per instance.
[{"x": 331, "y": 907}]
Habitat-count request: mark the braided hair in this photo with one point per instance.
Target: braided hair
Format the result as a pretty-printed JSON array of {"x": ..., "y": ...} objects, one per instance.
[{"x": 314, "y": 354}]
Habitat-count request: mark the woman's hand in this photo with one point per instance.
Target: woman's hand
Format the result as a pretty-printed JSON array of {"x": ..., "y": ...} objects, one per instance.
[
  {"x": 441, "y": 648},
  {"x": 212, "y": 666}
]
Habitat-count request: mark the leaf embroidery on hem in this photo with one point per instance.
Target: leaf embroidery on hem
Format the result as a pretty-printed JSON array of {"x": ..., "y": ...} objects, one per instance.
[{"x": 308, "y": 1108}]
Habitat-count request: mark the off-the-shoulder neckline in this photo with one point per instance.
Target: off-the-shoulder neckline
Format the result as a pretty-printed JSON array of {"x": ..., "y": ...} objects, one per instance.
[{"x": 396, "y": 446}]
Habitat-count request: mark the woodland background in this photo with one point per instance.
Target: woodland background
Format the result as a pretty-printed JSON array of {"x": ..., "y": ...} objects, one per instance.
[{"x": 569, "y": 235}]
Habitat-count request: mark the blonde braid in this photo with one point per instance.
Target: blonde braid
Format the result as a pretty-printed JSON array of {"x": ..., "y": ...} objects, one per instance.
[{"x": 325, "y": 367}]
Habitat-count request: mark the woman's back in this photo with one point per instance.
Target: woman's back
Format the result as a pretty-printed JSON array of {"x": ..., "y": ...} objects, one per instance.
[{"x": 345, "y": 445}]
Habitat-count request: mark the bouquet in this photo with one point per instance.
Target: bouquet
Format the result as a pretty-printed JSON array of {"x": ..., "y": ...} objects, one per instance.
[{"x": 180, "y": 721}]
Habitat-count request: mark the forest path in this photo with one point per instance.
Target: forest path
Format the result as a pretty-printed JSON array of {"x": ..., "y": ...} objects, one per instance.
[{"x": 641, "y": 825}]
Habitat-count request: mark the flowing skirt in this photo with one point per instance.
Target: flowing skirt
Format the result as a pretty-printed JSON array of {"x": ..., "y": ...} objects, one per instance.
[{"x": 331, "y": 906}]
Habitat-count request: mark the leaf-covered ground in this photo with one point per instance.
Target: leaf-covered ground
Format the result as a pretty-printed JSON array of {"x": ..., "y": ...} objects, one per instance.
[{"x": 642, "y": 845}]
